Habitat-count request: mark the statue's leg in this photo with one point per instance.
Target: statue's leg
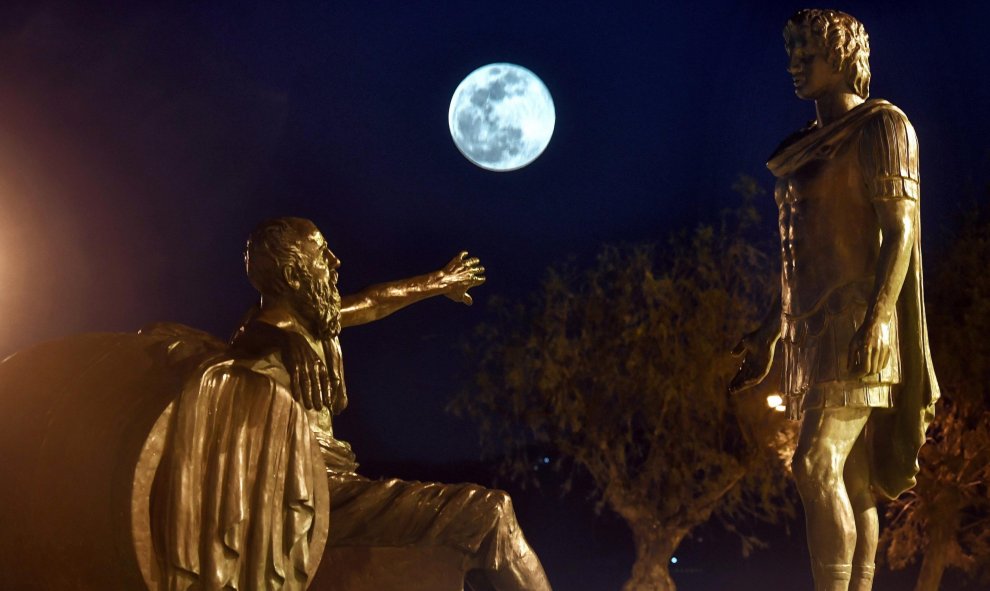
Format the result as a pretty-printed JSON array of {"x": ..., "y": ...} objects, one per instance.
[
  {"x": 478, "y": 521},
  {"x": 826, "y": 440},
  {"x": 504, "y": 561},
  {"x": 857, "y": 477},
  {"x": 523, "y": 574}
]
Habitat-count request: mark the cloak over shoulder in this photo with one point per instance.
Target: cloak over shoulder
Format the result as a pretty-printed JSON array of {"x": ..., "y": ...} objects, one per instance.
[
  {"x": 235, "y": 497},
  {"x": 891, "y": 148}
]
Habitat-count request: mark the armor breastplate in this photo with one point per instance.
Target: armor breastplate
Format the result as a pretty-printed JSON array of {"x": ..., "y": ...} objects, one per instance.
[{"x": 829, "y": 233}]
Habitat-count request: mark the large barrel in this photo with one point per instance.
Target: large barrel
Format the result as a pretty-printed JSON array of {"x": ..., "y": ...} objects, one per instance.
[{"x": 82, "y": 423}]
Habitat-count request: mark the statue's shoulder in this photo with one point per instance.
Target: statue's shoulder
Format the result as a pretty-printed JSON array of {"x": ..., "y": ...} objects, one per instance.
[
  {"x": 887, "y": 137},
  {"x": 885, "y": 118},
  {"x": 884, "y": 108},
  {"x": 207, "y": 360}
]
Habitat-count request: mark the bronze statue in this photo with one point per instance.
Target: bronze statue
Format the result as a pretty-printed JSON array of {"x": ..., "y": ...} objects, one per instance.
[
  {"x": 300, "y": 317},
  {"x": 234, "y": 502},
  {"x": 96, "y": 422},
  {"x": 171, "y": 460},
  {"x": 850, "y": 316}
]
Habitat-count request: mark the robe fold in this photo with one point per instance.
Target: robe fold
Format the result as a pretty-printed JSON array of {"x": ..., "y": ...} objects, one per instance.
[
  {"x": 234, "y": 498},
  {"x": 887, "y": 149}
]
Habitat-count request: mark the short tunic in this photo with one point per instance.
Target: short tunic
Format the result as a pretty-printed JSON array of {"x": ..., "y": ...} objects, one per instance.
[
  {"x": 830, "y": 245},
  {"x": 816, "y": 347}
]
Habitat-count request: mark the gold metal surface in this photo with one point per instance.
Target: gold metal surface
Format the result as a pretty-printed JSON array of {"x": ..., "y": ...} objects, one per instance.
[
  {"x": 236, "y": 498},
  {"x": 171, "y": 460},
  {"x": 850, "y": 317},
  {"x": 299, "y": 318},
  {"x": 89, "y": 419}
]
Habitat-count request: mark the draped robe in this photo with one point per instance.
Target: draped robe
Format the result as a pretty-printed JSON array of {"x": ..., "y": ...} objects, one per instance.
[
  {"x": 234, "y": 498},
  {"x": 888, "y": 166}
]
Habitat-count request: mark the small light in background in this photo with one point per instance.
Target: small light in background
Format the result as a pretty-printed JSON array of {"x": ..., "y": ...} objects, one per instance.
[
  {"x": 776, "y": 402},
  {"x": 546, "y": 459},
  {"x": 673, "y": 560}
]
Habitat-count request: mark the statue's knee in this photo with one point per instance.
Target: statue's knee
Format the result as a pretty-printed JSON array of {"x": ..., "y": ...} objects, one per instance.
[
  {"x": 815, "y": 470},
  {"x": 501, "y": 502},
  {"x": 801, "y": 467},
  {"x": 503, "y": 515}
]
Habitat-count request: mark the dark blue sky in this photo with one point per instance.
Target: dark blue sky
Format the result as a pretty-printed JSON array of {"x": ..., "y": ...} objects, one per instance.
[{"x": 140, "y": 143}]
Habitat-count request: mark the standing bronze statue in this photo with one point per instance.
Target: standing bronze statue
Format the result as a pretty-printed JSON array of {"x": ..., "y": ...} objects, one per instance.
[
  {"x": 851, "y": 317},
  {"x": 300, "y": 316}
]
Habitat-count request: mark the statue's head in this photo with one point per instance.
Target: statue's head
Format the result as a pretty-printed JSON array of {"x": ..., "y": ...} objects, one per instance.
[
  {"x": 288, "y": 260},
  {"x": 833, "y": 38}
]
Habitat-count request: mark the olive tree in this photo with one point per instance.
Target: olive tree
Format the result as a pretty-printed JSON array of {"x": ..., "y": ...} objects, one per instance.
[
  {"x": 622, "y": 369},
  {"x": 945, "y": 519}
]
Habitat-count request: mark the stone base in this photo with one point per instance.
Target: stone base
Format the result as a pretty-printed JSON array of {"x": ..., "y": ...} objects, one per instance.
[{"x": 389, "y": 569}]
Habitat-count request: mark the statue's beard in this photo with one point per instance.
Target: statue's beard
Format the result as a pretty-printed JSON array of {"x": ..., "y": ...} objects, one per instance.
[{"x": 321, "y": 304}]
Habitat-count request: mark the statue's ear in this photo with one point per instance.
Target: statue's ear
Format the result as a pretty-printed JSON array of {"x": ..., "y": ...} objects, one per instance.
[{"x": 291, "y": 277}]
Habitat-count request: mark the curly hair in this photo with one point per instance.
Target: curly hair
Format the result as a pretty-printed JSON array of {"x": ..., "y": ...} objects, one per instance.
[
  {"x": 272, "y": 245},
  {"x": 844, "y": 39}
]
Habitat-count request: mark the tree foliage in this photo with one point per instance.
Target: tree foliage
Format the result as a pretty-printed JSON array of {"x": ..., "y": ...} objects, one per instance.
[
  {"x": 946, "y": 517},
  {"x": 622, "y": 369}
]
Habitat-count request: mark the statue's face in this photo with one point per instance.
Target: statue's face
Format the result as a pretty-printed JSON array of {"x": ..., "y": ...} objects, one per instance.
[
  {"x": 808, "y": 66},
  {"x": 319, "y": 298}
]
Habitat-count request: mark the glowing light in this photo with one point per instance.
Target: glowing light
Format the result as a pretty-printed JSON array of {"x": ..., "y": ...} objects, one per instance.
[
  {"x": 775, "y": 401},
  {"x": 546, "y": 460},
  {"x": 501, "y": 117},
  {"x": 673, "y": 560}
]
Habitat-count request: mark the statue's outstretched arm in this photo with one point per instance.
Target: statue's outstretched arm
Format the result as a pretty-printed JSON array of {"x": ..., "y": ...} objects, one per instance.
[{"x": 375, "y": 302}]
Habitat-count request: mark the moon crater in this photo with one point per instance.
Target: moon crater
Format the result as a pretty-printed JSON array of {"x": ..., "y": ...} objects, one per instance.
[{"x": 501, "y": 117}]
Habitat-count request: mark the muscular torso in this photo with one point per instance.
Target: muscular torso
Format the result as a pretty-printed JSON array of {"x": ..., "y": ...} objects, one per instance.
[{"x": 829, "y": 233}]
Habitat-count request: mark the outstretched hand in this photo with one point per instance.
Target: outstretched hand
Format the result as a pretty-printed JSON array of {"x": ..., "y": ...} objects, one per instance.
[
  {"x": 757, "y": 359},
  {"x": 460, "y": 275}
]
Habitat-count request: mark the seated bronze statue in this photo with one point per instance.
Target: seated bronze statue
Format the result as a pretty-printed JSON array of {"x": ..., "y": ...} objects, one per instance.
[
  {"x": 300, "y": 316},
  {"x": 170, "y": 460}
]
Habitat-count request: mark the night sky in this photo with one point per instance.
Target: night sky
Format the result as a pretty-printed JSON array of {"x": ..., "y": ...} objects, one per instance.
[{"x": 140, "y": 143}]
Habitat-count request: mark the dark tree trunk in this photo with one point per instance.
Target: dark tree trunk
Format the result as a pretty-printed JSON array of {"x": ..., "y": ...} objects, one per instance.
[
  {"x": 932, "y": 568},
  {"x": 941, "y": 529},
  {"x": 654, "y": 548}
]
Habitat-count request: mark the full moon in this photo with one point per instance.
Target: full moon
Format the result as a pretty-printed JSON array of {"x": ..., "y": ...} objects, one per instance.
[{"x": 501, "y": 117}]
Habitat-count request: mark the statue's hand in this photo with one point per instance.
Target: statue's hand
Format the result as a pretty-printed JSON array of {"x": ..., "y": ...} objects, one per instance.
[
  {"x": 868, "y": 353},
  {"x": 757, "y": 354},
  {"x": 309, "y": 375},
  {"x": 460, "y": 275}
]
